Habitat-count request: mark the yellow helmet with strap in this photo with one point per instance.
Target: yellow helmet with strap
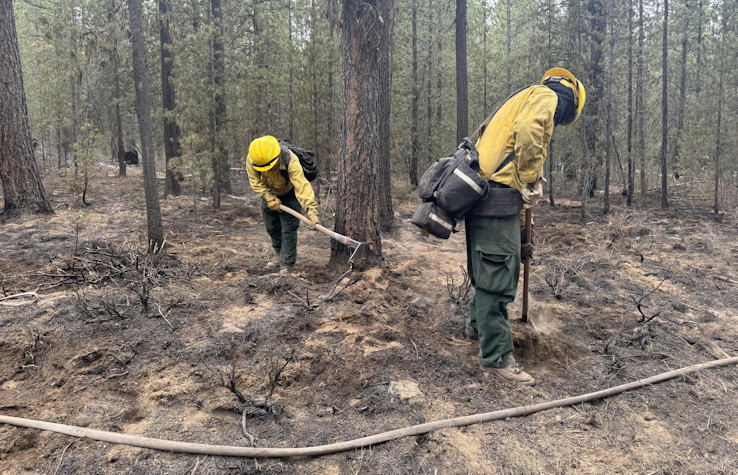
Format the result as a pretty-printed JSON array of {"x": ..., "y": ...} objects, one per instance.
[
  {"x": 567, "y": 77},
  {"x": 264, "y": 153}
]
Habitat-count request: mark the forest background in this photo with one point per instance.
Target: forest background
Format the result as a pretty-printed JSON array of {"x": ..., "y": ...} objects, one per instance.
[{"x": 660, "y": 103}]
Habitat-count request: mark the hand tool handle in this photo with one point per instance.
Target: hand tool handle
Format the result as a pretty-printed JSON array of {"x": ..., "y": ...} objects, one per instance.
[
  {"x": 331, "y": 234},
  {"x": 526, "y": 262}
]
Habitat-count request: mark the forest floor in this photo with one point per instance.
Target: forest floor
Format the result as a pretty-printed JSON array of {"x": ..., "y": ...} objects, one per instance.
[{"x": 189, "y": 344}]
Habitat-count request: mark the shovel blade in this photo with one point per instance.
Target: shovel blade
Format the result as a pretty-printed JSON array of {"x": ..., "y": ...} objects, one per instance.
[{"x": 358, "y": 257}]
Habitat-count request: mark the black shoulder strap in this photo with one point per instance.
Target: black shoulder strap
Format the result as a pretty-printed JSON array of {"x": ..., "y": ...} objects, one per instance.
[
  {"x": 286, "y": 157},
  {"x": 475, "y": 135}
]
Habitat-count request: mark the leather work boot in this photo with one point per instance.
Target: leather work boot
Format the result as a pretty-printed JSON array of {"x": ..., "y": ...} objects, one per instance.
[
  {"x": 273, "y": 262},
  {"x": 512, "y": 371},
  {"x": 285, "y": 270}
]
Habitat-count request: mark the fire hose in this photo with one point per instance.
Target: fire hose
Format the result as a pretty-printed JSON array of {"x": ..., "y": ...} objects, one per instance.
[{"x": 234, "y": 451}]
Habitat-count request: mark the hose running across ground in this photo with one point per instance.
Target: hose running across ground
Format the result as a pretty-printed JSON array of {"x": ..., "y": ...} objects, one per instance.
[{"x": 225, "y": 450}]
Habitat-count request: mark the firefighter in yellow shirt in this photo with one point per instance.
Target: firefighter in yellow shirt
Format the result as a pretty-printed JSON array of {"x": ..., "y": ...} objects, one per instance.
[
  {"x": 512, "y": 148},
  {"x": 275, "y": 174}
]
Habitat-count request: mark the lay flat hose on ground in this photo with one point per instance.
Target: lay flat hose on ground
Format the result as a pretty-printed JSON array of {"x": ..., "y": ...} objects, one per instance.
[{"x": 187, "y": 447}]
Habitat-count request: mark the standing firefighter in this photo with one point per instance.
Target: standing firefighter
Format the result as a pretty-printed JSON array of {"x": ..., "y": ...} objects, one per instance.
[
  {"x": 275, "y": 174},
  {"x": 511, "y": 149}
]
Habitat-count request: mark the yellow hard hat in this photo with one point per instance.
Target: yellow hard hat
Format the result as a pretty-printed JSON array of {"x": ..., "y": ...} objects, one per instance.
[
  {"x": 581, "y": 94},
  {"x": 264, "y": 153}
]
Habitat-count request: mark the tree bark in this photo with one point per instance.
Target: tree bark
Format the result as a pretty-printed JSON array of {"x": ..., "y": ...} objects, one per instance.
[
  {"x": 361, "y": 51},
  {"x": 143, "y": 111},
  {"x": 718, "y": 128},
  {"x": 413, "y": 168},
  {"x": 593, "y": 133},
  {"x": 385, "y": 210},
  {"x": 609, "y": 18},
  {"x": 485, "y": 56},
  {"x": 171, "y": 128},
  {"x": 318, "y": 145},
  {"x": 639, "y": 101},
  {"x": 665, "y": 107},
  {"x": 219, "y": 96},
  {"x": 700, "y": 21},
  {"x": 331, "y": 107},
  {"x": 629, "y": 138},
  {"x": 676, "y": 138},
  {"x": 508, "y": 44},
  {"x": 115, "y": 62},
  {"x": 215, "y": 189},
  {"x": 462, "y": 95},
  {"x": 291, "y": 76},
  {"x": 429, "y": 86},
  {"x": 550, "y": 158},
  {"x": 22, "y": 187}
]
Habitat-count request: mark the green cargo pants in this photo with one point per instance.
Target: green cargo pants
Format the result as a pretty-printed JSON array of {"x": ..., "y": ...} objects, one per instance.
[
  {"x": 282, "y": 228},
  {"x": 493, "y": 261}
]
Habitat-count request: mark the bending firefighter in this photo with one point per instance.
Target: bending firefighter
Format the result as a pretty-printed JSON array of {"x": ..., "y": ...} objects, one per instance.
[
  {"x": 275, "y": 174},
  {"x": 512, "y": 149}
]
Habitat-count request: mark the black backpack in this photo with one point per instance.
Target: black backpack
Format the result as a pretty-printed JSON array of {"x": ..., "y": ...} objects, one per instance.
[{"x": 306, "y": 157}]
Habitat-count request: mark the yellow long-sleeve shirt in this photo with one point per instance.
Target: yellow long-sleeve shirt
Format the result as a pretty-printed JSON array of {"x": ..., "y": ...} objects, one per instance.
[
  {"x": 273, "y": 182},
  {"x": 523, "y": 127}
]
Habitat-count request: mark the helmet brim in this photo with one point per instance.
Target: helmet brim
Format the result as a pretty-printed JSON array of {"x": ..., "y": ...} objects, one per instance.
[{"x": 266, "y": 167}]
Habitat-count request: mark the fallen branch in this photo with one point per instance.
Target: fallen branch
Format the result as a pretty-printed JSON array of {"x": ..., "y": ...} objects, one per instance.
[
  {"x": 234, "y": 451},
  {"x": 18, "y": 304}
]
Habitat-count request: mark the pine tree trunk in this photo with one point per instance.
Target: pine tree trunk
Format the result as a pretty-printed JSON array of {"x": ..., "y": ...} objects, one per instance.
[
  {"x": 676, "y": 139},
  {"x": 550, "y": 158},
  {"x": 143, "y": 111},
  {"x": 609, "y": 18},
  {"x": 700, "y": 21},
  {"x": 215, "y": 189},
  {"x": 331, "y": 108},
  {"x": 631, "y": 181},
  {"x": 595, "y": 108},
  {"x": 291, "y": 77},
  {"x": 219, "y": 97},
  {"x": 718, "y": 128},
  {"x": 508, "y": 44},
  {"x": 429, "y": 86},
  {"x": 115, "y": 61},
  {"x": 413, "y": 169},
  {"x": 485, "y": 56},
  {"x": 361, "y": 51},
  {"x": 171, "y": 128},
  {"x": 22, "y": 187},
  {"x": 639, "y": 102},
  {"x": 462, "y": 95},
  {"x": 317, "y": 145},
  {"x": 385, "y": 210},
  {"x": 664, "y": 107}
]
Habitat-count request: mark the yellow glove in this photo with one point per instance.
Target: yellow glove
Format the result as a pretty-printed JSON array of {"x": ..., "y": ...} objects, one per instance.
[
  {"x": 313, "y": 219},
  {"x": 272, "y": 202}
]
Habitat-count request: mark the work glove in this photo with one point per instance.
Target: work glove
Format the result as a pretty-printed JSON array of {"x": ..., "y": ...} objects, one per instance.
[
  {"x": 532, "y": 192},
  {"x": 272, "y": 202},
  {"x": 313, "y": 219}
]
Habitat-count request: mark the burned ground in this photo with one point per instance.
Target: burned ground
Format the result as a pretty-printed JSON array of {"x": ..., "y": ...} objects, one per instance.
[{"x": 188, "y": 344}]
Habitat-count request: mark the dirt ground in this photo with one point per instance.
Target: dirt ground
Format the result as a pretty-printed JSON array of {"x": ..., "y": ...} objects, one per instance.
[{"x": 190, "y": 344}]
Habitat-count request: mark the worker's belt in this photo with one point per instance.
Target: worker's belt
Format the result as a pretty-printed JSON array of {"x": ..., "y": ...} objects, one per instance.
[{"x": 501, "y": 201}]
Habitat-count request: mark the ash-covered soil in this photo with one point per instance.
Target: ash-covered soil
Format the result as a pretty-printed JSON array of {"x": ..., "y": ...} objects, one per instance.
[{"x": 192, "y": 343}]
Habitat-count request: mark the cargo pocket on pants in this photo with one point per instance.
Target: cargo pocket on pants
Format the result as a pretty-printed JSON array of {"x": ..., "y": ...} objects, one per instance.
[{"x": 494, "y": 272}]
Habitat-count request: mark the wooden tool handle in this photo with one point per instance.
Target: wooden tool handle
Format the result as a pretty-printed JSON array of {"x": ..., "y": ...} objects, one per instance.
[
  {"x": 526, "y": 262},
  {"x": 331, "y": 234}
]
